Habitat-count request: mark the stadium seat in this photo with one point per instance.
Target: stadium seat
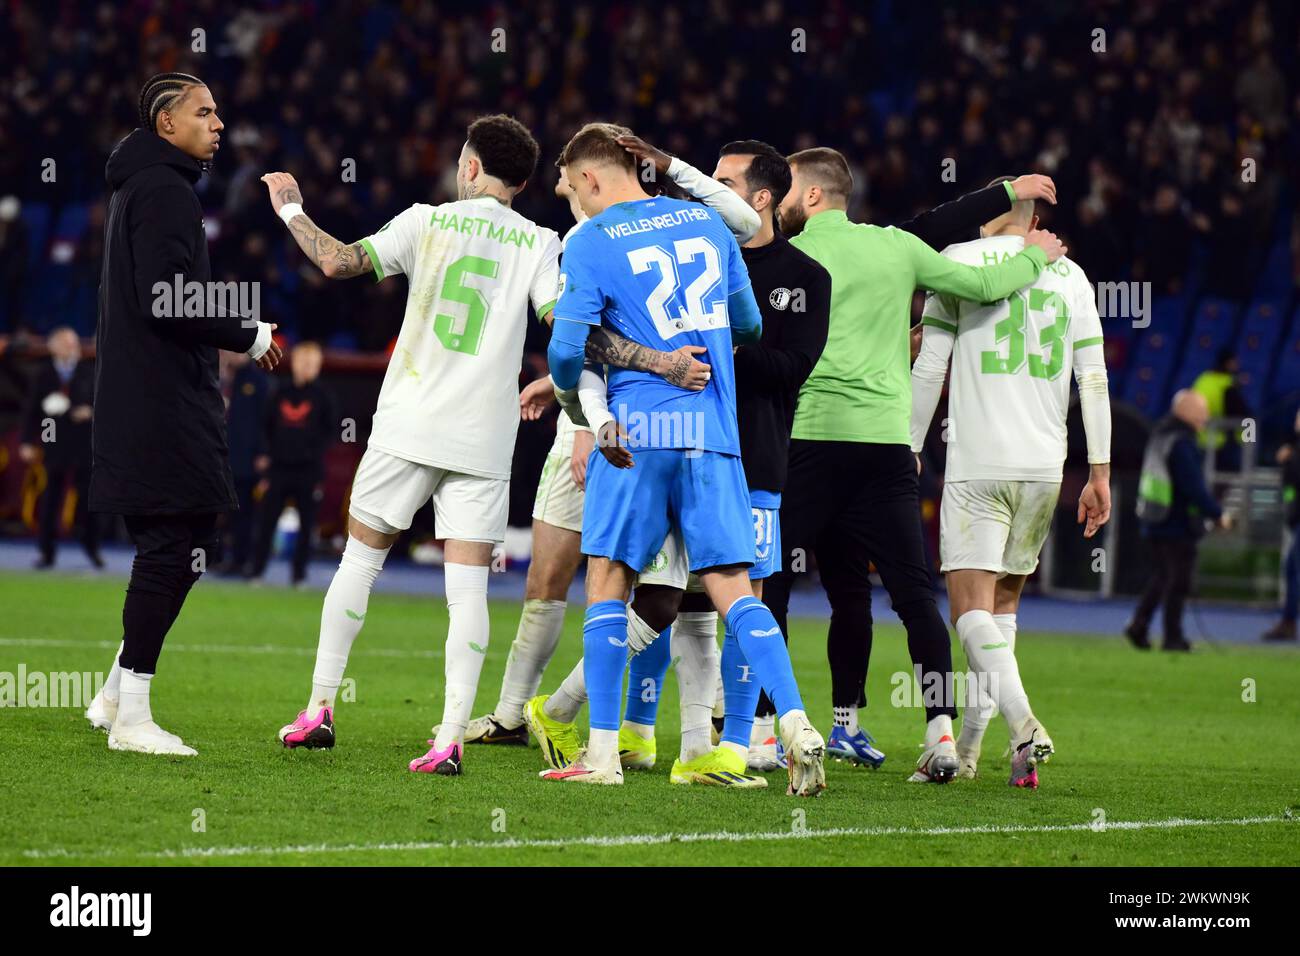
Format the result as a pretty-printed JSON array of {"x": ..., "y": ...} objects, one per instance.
[
  {"x": 1213, "y": 324},
  {"x": 72, "y": 222},
  {"x": 1286, "y": 374},
  {"x": 1275, "y": 279},
  {"x": 39, "y": 217},
  {"x": 1153, "y": 355},
  {"x": 1261, "y": 331}
]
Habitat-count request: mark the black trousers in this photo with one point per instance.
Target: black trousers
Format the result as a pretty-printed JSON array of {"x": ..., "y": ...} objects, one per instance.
[
  {"x": 171, "y": 553},
  {"x": 51, "y": 509},
  {"x": 852, "y": 504},
  {"x": 1172, "y": 563},
  {"x": 299, "y": 485}
]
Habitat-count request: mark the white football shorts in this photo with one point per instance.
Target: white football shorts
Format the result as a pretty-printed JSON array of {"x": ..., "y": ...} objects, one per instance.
[
  {"x": 997, "y": 526},
  {"x": 387, "y": 492}
]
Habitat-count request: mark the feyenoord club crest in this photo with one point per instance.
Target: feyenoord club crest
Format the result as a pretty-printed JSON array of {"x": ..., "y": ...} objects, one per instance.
[{"x": 780, "y": 299}]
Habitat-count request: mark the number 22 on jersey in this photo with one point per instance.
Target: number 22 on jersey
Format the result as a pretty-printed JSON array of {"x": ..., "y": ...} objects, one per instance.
[{"x": 694, "y": 313}]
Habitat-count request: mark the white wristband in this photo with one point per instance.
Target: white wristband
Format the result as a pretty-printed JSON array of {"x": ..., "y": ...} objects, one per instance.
[
  {"x": 289, "y": 210},
  {"x": 262, "y": 342}
]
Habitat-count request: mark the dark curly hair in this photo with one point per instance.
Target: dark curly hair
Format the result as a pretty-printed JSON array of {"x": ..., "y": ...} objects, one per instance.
[
  {"x": 160, "y": 93},
  {"x": 505, "y": 147}
]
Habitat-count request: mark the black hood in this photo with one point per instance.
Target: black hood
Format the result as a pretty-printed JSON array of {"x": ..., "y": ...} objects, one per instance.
[{"x": 141, "y": 149}]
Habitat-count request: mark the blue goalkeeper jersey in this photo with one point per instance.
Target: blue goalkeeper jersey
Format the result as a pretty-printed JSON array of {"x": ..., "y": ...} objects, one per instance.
[{"x": 658, "y": 272}]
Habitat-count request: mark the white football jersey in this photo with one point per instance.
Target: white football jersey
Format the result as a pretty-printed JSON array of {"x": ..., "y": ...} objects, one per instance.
[
  {"x": 450, "y": 397},
  {"x": 1012, "y": 361}
]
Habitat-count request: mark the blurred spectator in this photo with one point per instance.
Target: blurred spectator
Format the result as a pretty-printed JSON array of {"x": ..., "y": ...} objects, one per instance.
[
  {"x": 14, "y": 268},
  {"x": 56, "y": 434},
  {"x": 1173, "y": 506},
  {"x": 300, "y": 424},
  {"x": 245, "y": 388},
  {"x": 1182, "y": 94},
  {"x": 1221, "y": 390},
  {"x": 1288, "y": 457}
]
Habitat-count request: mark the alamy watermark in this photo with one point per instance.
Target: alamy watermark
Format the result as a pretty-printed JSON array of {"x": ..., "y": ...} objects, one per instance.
[
  {"x": 193, "y": 300},
  {"x": 53, "y": 689},
  {"x": 966, "y": 689},
  {"x": 680, "y": 430}
]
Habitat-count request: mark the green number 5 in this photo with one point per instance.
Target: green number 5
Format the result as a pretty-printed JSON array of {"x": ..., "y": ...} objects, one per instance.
[{"x": 465, "y": 334}]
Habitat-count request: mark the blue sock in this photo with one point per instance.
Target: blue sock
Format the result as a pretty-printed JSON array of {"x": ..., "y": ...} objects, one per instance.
[
  {"x": 645, "y": 682},
  {"x": 740, "y": 690},
  {"x": 760, "y": 639},
  {"x": 604, "y": 655}
]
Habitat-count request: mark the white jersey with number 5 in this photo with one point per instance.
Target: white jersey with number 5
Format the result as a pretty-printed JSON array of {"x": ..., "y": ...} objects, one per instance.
[
  {"x": 450, "y": 397},
  {"x": 1011, "y": 367}
]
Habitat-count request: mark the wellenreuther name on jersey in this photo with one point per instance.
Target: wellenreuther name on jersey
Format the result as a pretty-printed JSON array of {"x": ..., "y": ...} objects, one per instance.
[
  {"x": 647, "y": 224},
  {"x": 475, "y": 226}
]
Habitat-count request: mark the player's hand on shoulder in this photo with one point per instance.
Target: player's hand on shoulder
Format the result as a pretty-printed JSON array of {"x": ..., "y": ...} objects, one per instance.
[
  {"x": 1047, "y": 241},
  {"x": 644, "y": 151},
  {"x": 683, "y": 369},
  {"x": 610, "y": 444},
  {"x": 584, "y": 440},
  {"x": 536, "y": 397},
  {"x": 1034, "y": 186},
  {"x": 283, "y": 188}
]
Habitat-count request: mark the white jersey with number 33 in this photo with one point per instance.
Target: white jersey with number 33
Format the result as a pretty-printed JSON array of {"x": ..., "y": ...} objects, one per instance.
[
  {"x": 450, "y": 397},
  {"x": 1011, "y": 367}
]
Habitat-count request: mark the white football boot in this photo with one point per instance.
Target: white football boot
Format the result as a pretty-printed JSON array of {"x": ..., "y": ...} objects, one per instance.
[
  {"x": 938, "y": 764},
  {"x": 102, "y": 711},
  {"x": 147, "y": 738}
]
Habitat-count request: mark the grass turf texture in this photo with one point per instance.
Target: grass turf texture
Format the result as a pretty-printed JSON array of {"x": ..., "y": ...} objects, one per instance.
[{"x": 1141, "y": 738}]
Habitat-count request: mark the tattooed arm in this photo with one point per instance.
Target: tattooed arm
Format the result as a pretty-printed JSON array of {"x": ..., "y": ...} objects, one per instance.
[
  {"x": 679, "y": 368},
  {"x": 335, "y": 259}
]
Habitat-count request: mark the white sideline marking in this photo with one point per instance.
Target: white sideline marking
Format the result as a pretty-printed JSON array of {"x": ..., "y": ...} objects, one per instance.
[
  {"x": 359, "y": 648},
  {"x": 652, "y": 839}
]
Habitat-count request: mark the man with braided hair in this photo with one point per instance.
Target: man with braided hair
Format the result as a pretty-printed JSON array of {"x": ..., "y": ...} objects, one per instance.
[{"x": 160, "y": 457}]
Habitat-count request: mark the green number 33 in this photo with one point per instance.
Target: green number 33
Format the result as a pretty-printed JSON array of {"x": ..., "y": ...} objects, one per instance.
[
  {"x": 1048, "y": 359},
  {"x": 465, "y": 334}
]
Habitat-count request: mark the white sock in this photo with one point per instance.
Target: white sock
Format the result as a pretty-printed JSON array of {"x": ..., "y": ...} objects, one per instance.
[
  {"x": 989, "y": 653},
  {"x": 602, "y": 747},
  {"x": 644, "y": 731},
  {"x": 467, "y": 644},
  {"x": 341, "y": 617},
  {"x": 133, "y": 704},
  {"x": 113, "y": 683},
  {"x": 565, "y": 703},
  {"x": 695, "y": 648},
  {"x": 1007, "y": 625},
  {"x": 937, "y": 729},
  {"x": 540, "y": 625},
  {"x": 975, "y": 719},
  {"x": 764, "y": 730},
  {"x": 846, "y": 717}
]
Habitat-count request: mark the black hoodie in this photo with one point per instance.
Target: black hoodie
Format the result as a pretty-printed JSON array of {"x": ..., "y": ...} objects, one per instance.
[{"x": 159, "y": 431}]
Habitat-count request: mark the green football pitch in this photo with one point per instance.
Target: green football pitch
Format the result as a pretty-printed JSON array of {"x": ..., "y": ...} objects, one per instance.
[{"x": 1162, "y": 759}]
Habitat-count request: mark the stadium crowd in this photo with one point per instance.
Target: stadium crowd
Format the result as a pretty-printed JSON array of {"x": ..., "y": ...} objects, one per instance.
[
  {"x": 1145, "y": 139},
  {"x": 1172, "y": 132}
]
